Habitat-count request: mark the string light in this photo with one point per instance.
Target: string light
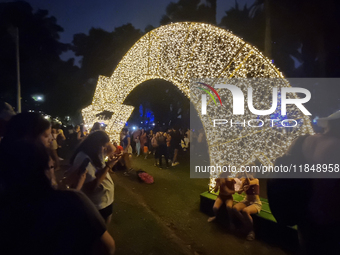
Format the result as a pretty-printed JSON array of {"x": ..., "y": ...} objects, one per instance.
[{"x": 181, "y": 53}]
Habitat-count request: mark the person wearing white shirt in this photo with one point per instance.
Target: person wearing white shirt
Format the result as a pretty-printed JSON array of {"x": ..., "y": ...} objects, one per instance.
[{"x": 98, "y": 184}]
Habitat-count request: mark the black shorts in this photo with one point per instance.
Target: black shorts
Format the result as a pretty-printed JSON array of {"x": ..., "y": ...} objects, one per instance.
[{"x": 106, "y": 212}]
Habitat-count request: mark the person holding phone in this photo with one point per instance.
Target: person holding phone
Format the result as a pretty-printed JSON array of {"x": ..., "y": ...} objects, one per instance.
[
  {"x": 98, "y": 184},
  {"x": 41, "y": 219}
]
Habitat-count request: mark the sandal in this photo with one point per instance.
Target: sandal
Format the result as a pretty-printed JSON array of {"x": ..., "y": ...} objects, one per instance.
[{"x": 251, "y": 236}]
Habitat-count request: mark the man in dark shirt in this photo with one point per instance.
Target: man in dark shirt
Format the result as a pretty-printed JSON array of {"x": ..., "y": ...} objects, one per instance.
[{"x": 175, "y": 145}]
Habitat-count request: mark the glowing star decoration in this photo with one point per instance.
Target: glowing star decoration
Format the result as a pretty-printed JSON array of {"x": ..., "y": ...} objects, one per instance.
[{"x": 180, "y": 53}]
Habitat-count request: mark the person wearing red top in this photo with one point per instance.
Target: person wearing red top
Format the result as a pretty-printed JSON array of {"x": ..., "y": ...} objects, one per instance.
[{"x": 119, "y": 149}]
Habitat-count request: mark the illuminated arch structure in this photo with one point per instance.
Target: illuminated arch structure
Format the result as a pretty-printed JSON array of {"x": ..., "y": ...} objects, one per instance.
[{"x": 183, "y": 51}]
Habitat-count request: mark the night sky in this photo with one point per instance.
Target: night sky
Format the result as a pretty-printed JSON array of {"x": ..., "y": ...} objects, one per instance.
[{"x": 78, "y": 16}]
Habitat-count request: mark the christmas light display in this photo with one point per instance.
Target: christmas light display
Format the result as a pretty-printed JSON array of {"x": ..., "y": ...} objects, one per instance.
[{"x": 183, "y": 53}]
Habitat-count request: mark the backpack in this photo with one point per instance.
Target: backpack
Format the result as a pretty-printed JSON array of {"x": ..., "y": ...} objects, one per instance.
[
  {"x": 161, "y": 139},
  {"x": 287, "y": 200},
  {"x": 154, "y": 142}
]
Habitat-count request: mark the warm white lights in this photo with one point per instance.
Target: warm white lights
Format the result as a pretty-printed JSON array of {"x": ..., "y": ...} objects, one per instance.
[{"x": 180, "y": 52}]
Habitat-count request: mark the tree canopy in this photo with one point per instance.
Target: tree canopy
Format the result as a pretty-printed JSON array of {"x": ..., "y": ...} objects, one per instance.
[
  {"x": 42, "y": 70},
  {"x": 303, "y": 39}
]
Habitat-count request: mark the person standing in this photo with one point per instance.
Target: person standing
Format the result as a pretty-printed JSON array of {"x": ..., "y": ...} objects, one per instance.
[
  {"x": 137, "y": 140},
  {"x": 150, "y": 137},
  {"x": 60, "y": 140},
  {"x": 185, "y": 144},
  {"x": 143, "y": 142},
  {"x": 162, "y": 149},
  {"x": 75, "y": 137},
  {"x": 54, "y": 148},
  {"x": 44, "y": 220},
  {"x": 32, "y": 126},
  {"x": 175, "y": 144},
  {"x": 98, "y": 185},
  {"x": 154, "y": 144},
  {"x": 96, "y": 126},
  {"x": 317, "y": 215},
  {"x": 126, "y": 144},
  {"x": 169, "y": 148},
  {"x": 319, "y": 231}
]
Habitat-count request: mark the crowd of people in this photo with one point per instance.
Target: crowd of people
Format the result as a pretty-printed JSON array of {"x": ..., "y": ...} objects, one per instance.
[
  {"x": 160, "y": 144},
  {"x": 34, "y": 212},
  {"x": 70, "y": 218},
  {"x": 50, "y": 220}
]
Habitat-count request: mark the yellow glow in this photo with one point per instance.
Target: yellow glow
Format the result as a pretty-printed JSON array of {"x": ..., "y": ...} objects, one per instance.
[{"x": 183, "y": 51}]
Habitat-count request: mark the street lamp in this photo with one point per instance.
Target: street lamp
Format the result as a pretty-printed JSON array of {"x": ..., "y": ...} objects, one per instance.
[{"x": 38, "y": 98}]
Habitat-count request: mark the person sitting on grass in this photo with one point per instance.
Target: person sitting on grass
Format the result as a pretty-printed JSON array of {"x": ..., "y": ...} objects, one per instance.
[
  {"x": 227, "y": 189},
  {"x": 118, "y": 153},
  {"x": 250, "y": 205}
]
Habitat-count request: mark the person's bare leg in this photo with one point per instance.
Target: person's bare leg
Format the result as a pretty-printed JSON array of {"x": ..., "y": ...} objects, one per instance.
[
  {"x": 127, "y": 160},
  {"x": 175, "y": 156},
  {"x": 217, "y": 205},
  {"x": 229, "y": 205},
  {"x": 247, "y": 212},
  {"x": 237, "y": 211}
]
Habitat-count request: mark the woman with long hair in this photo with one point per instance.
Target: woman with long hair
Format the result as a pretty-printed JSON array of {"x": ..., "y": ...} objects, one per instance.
[
  {"x": 98, "y": 185},
  {"x": 43, "y": 220},
  {"x": 33, "y": 127},
  {"x": 28, "y": 126}
]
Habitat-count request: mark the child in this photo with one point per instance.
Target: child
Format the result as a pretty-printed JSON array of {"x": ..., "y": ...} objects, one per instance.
[
  {"x": 250, "y": 205},
  {"x": 145, "y": 149},
  {"x": 227, "y": 189}
]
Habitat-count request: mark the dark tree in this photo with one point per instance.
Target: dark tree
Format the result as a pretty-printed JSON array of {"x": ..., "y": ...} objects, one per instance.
[
  {"x": 305, "y": 30},
  {"x": 101, "y": 51},
  {"x": 165, "y": 100},
  {"x": 190, "y": 10},
  {"x": 42, "y": 70},
  {"x": 148, "y": 28},
  {"x": 241, "y": 23}
]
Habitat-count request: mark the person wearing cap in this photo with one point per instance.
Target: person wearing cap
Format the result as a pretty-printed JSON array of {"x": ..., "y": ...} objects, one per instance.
[{"x": 320, "y": 232}]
